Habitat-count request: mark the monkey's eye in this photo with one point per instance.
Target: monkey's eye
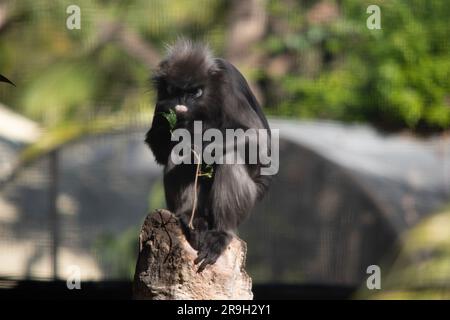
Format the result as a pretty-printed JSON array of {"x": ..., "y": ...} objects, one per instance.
[{"x": 197, "y": 93}]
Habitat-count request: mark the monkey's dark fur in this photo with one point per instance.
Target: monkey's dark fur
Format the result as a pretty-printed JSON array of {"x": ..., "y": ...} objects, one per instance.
[{"x": 216, "y": 93}]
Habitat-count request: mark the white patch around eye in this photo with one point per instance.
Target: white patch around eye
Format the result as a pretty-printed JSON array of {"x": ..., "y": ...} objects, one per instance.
[
  {"x": 198, "y": 93},
  {"x": 181, "y": 108}
]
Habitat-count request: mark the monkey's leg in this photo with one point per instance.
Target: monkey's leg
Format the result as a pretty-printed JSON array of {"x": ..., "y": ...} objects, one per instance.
[
  {"x": 232, "y": 197},
  {"x": 193, "y": 236},
  {"x": 212, "y": 244},
  {"x": 179, "y": 190}
]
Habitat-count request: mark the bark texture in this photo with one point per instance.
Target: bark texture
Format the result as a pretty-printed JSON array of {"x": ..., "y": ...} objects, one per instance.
[{"x": 165, "y": 268}]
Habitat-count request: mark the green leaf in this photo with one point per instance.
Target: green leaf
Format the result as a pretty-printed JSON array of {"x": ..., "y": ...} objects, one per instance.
[
  {"x": 208, "y": 171},
  {"x": 171, "y": 117}
]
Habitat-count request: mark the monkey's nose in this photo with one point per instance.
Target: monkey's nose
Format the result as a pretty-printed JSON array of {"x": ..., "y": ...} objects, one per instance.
[{"x": 181, "y": 108}]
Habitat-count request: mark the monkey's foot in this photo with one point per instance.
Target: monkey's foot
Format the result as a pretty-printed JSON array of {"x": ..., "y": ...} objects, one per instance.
[{"x": 212, "y": 245}]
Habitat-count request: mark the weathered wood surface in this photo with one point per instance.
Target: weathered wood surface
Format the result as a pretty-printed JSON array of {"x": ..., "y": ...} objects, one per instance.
[{"x": 165, "y": 268}]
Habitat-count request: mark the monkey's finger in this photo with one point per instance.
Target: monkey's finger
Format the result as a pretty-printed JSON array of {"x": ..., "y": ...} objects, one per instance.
[
  {"x": 210, "y": 259},
  {"x": 203, "y": 266},
  {"x": 202, "y": 255}
]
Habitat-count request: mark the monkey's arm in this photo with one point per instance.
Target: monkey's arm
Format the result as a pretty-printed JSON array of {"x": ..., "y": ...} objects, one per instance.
[
  {"x": 242, "y": 99},
  {"x": 158, "y": 137},
  {"x": 244, "y": 112}
]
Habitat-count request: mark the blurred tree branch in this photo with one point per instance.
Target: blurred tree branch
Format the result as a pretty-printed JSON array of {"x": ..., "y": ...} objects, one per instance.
[
  {"x": 247, "y": 25},
  {"x": 135, "y": 46},
  {"x": 130, "y": 41},
  {"x": 4, "y": 15}
]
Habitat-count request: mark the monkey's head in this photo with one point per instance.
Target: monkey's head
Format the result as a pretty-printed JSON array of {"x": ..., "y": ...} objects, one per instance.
[{"x": 188, "y": 82}]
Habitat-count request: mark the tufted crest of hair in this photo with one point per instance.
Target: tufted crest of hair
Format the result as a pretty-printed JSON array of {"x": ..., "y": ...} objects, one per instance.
[{"x": 185, "y": 58}]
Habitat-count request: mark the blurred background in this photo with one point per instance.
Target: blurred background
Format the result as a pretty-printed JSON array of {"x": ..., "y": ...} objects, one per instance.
[{"x": 364, "y": 118}]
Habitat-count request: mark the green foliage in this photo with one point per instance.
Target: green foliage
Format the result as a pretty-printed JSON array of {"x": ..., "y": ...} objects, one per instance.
[
  {"x": 156, "y": 197},
  {"x": 421, "y": 269},
  {"x": 207, "y": 171},
  {"x": 171, "y": 117},
  {"x": 117, "y": 253},
  {"x": 67, "y": 75},
  {"x": 398, "y": 76},
  {"x": 59, "y": 91},
  {"x": 66, "y": 132}
]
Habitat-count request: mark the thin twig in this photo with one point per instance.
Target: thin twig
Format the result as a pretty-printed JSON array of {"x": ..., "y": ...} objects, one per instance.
[
  {"x": 197, "y": 171},
  {"x": 197, "y": 174}
]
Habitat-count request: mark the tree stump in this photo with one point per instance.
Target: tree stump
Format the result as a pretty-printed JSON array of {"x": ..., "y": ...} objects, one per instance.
[{"x": 165, "y": 267}]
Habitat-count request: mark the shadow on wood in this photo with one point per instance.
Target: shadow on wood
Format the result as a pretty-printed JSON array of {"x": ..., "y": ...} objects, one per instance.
[{"x": 165, "y": 268}]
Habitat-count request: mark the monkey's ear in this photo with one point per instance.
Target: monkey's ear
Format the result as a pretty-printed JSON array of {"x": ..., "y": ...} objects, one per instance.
[
  {"x": 155, "y": 79},
  {"x": 214, "y": 70},
  {"x": 163, "y": 65},
  {"x": 159, "y": 74}
]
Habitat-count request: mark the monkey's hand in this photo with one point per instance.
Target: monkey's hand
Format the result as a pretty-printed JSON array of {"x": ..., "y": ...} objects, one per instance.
[{"x": 211, "y": 246}]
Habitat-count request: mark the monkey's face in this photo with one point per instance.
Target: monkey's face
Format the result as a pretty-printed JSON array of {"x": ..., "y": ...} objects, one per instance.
[
  {"x": 188, "y": 84},
  {"x": 189, "y": 95},
  {"x": 186, "y": 94}
]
